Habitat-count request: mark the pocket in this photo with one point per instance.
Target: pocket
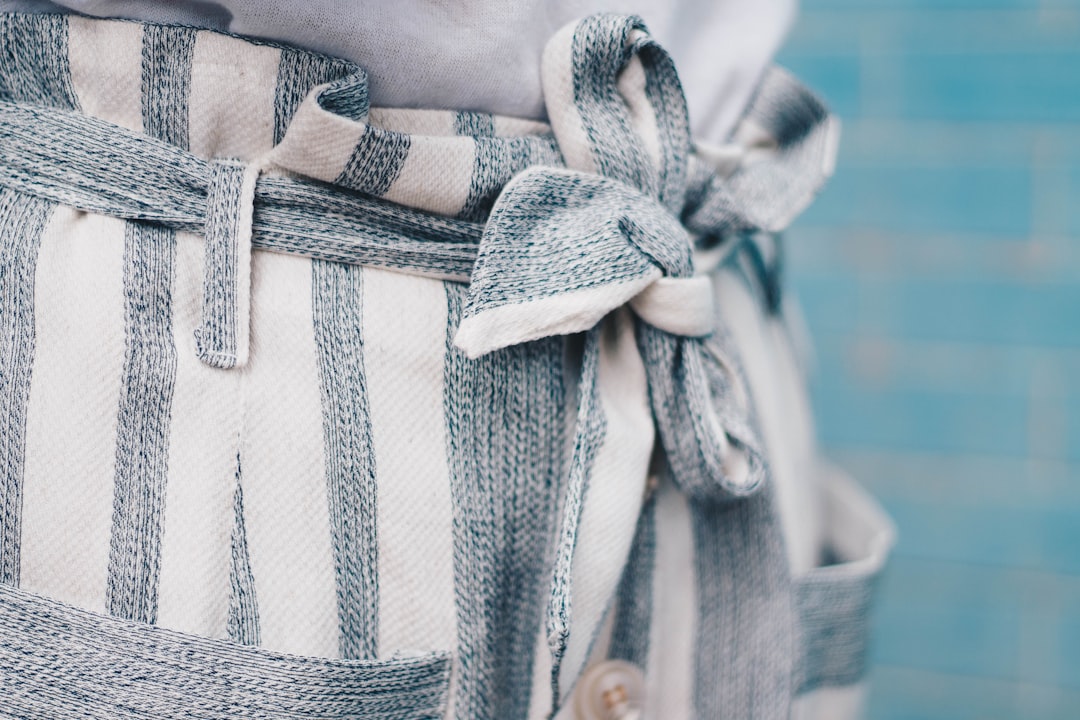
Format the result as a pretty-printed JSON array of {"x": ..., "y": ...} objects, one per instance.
[
  {"x": 834, "y": 600},
  {"x": 63, "y": 663}
]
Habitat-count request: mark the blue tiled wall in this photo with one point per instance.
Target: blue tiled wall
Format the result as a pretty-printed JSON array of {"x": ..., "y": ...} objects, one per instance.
[{"x": 940, "y": 275}]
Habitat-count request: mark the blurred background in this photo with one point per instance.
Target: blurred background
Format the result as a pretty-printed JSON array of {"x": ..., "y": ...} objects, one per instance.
[{"x": 940, "y": 275}]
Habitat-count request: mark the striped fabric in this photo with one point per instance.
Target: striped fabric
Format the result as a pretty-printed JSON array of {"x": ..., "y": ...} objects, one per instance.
[{"x": 335, "y": 480}]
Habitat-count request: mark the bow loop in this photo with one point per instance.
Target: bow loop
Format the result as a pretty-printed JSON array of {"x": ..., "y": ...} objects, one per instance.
[
  {"x": 701, "y": 416},
  {"x": 617, "y": 107}
]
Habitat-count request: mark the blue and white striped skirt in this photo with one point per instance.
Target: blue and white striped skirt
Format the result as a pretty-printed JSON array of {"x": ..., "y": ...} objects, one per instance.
[{"x": 310, "y": 409}]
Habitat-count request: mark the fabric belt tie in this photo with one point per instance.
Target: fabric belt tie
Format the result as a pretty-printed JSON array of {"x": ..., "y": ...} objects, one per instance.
[
  {"x": 95, "y": 166},
  {"x": 563, "y": 248},
  {"x": 223, "y": 337}
]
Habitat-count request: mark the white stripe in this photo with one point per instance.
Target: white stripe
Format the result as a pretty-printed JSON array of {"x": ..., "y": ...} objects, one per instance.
[
  {"x": 404, "y": 349},
  {"x": 557, "y": 78},
  {"x": 859, "y": 531},
  {"x": 540, "y": 697},
  {"x": 193, "y": 593},
  {"x": 288, "y": 522},
  {"x": 439, "y": 123},
  {"x": 515, "y": 127},
  {"x": 231, "y": 104},
  {"x": 436, "y": 174},
  {"x": 783, "y": 414},
  {"x": 673, "y": 635},
  {"x": 615, "y": 492},
  {"x": 71, "y": 419},
  {"x": 680, "y": 306},
  {"x": 830, "y": 703},
  {"x": 106, "y": 69},
  {"x": 560, "y": 314},
  {"x": 801, "y": 494}
]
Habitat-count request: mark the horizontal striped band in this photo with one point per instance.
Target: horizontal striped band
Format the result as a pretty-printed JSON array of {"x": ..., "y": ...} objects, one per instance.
[{"x": 61, "y": 662}]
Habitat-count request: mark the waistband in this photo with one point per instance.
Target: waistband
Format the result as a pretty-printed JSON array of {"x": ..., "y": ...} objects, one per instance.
[
  {"x": 615, "y": 103},
  {"x": 222, "y": 96}
]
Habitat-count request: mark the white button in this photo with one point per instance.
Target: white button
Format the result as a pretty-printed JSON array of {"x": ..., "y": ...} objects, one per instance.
[{"x": 611, "y": 690}]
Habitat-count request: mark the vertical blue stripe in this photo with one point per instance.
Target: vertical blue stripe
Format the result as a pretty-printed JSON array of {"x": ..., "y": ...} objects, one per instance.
[
  {"x": 488, "y": 163},
  {"x": 337, "y": 304},
  {"x": 376, "y": 161},
  {"x": 149, "y": 375},
  {"x": 348, "y": 97},
  {"x": 599, "y": 53},
  {"x": 379, "y": 155},
  {"x": 634, "y": 599},
  {"x": 497, "y": 160},
  {"x": 474, "y": 124},
  {"x": 747, "y": 653},
  {"x": 35, "y": 67},
  {"x": 243, "y": 622},
  {"x": 505, "y": 420},
  {"x": 745, "y": 656},
  {"x": 22, "y": 221},
  {"x": 142, "y": 443},
  {"x": 166, "y": 82},
  {"x": 664, "y": 93}
]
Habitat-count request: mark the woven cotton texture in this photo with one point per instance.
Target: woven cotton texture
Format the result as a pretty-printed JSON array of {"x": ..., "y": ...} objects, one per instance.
[{"x": 317, "y": 409}]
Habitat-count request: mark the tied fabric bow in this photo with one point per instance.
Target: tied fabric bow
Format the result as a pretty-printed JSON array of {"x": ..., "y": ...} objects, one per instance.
[
  {"x": 562, "y": 250},
  {"x": 565, "y": 248}
]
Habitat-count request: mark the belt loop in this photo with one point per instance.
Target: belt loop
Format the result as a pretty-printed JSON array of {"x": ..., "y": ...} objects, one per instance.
[{"x": 224, "y": 333}]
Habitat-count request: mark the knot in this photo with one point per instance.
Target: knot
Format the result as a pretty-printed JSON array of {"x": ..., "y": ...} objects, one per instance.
[
  {"x": 223, "y": 337},
  {"x": 563, "y": 248},
  {"x": 678, "y": 306}
]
